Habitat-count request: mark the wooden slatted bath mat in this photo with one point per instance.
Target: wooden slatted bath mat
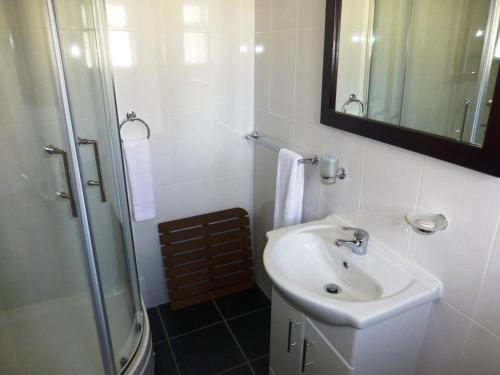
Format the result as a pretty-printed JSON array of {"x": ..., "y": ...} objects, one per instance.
[{"x": 206, "y": 256}]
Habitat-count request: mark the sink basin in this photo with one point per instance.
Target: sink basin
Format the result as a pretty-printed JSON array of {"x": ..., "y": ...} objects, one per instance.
[{"x": 338, "y": 287}]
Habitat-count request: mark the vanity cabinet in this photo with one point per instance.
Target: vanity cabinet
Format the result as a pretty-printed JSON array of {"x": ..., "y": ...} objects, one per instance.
[
  {"x": 302, "y": 345},
  {"x": 319, "y": 357},
  {"x": 287, "y": 332},
  {"x": 297, "y": 346}
]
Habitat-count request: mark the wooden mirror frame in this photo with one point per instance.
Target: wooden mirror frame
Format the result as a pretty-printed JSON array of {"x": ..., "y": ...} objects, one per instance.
[{"x": 485, "y": 159}]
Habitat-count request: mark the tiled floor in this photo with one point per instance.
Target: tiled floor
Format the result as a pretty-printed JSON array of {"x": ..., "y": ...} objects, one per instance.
[{"x": 227, "y": 336}]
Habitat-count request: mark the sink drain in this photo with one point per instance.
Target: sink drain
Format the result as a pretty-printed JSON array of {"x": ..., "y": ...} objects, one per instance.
[{"x": 332, "y": 288}]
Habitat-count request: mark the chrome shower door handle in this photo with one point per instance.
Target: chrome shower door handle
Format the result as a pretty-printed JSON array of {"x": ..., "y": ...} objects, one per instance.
[
  {"x": 460, "y": 132},
  {"x": 52, "y": 150},
  {"x": 100, "y": 181}
]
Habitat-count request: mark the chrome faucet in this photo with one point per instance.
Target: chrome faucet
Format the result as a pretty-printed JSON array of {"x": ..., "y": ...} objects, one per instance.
[{"x": 360, "y": 242}]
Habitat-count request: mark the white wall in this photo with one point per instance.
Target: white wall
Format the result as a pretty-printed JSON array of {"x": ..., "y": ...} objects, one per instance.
[
  {"x": 353, "y": 54},
  {"x": 382, "y": 184},
  {"x": 186, "y": 68}
]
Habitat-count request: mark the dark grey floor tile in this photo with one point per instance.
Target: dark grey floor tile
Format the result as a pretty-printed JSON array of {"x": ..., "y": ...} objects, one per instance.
[
  {"x": 261, "y": 366},
  {"x": 206, "y": 351},
  {"x": 164, "y": 361},
  {"x": 190, "y": 318},
  {"x": 243, "y": 302},
  {"x": 252, "y": 333},
  {"x": 241, "y": 370},
  {"x": 156, "y": 327}
]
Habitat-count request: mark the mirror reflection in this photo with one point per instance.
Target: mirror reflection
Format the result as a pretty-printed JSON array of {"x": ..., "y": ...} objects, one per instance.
[{"x": 426, "y": 65}]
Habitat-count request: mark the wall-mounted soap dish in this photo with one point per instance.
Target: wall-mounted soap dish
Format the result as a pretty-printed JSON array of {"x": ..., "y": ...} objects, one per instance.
[{"x": 425, "y": 222}]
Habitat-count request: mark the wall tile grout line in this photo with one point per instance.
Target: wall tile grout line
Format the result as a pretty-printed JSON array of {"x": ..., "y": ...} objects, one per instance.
[
  {"x": 361, "y": 181},
  {"x": 466, "y": 343},
  {"x": 234, "y": 338},
  {"x": 486, "y": 269},
  {"x": 484, "y": 328},
  {"x": 168, "y": 341}
]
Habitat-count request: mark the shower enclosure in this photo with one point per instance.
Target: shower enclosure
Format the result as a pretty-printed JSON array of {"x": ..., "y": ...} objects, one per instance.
[
  {"x": 69, "y": 297},
  {"x": 441, "y": 62},
  {"x": 421, "y": 64}
]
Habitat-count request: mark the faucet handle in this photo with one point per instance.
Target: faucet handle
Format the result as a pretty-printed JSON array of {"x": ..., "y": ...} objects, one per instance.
[{"x": 359, "y": 234}]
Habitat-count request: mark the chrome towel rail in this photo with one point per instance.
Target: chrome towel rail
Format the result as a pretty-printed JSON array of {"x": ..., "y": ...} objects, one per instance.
[
  {"x": 255, "y": 137},
  {"x": 131, "y": 116}
]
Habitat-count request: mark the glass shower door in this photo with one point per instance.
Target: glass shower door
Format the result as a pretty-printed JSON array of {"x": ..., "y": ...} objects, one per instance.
[
  {"x": 69, "y": 298},
  {"x": 47, "y": 323},
  {"x": 92, "y": 107},
  {"x": 444, "y": 65},
  {"x": 439, "y": 55}
]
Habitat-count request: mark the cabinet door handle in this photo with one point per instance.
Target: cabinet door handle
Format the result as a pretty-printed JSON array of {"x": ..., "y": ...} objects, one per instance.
[
  {"x": 291, "y": 324},
  {"x": 307, "y": 343},
  {"x": 52, "y": 150},
  {"x": 100, "y": 181}
]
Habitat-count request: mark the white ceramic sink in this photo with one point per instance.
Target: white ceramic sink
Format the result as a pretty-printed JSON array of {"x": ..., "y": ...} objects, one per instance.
[{"x": 302, "y": 259}]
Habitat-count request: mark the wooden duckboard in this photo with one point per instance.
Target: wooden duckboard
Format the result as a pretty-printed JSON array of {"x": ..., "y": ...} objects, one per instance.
[{"x": 206, "y": 256}]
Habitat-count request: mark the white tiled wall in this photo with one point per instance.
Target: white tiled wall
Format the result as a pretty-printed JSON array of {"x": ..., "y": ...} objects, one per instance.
[
  {"x": 382, "y": 184},
  {"x": 186, "y": 68}
]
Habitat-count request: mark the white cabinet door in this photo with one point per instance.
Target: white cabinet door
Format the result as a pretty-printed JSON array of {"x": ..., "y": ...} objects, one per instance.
[
  {"x": 287, "y": 326},
  {"x": 319, "y": 357}
]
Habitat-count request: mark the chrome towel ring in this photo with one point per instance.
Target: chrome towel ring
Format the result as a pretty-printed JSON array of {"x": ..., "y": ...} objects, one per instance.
[
  {"x": 132, "y": 116},
  {"x": 353, "y": 99}
]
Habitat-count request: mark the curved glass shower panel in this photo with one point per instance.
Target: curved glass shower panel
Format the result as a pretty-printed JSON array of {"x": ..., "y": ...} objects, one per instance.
[
  {"x": 84, "y": 67},
  {"x": 51, "y": 317},
  {"x": 46, "y": 319}
]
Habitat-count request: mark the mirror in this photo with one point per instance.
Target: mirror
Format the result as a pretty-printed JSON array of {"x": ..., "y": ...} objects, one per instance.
[{"x": 425, "y": 65}]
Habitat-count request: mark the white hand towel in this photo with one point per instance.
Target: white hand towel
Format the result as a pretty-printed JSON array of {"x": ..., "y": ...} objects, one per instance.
[
  {"x": 289, "y": 189},
  {"x": 140, "y": 179}
]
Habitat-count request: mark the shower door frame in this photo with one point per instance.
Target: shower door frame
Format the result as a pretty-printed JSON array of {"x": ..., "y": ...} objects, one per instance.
[
  {"x": 487, "y": 55},
  {"x": 110, "y": 105},
  {"x": 89, "y": 249}
]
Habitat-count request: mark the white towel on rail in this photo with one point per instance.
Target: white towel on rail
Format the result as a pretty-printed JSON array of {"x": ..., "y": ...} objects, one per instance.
[
  {"x": 289, "y": 189},
  {"x": 140, "y": 179}
]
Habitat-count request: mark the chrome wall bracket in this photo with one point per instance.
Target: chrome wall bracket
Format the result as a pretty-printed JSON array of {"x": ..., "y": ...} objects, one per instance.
[{"x": 313, "y": 160}]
